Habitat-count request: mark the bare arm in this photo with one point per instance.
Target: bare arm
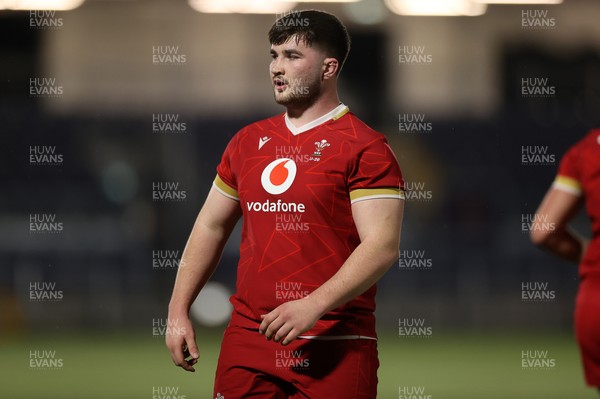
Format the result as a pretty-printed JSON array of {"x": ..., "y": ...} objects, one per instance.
[
  {"x": 204, "y": 247},
  {"x": 556, "y": 210},
  {"x": 378, "y": 222}
]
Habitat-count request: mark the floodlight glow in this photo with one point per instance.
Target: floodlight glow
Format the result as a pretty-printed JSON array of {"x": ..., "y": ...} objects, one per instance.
[
  {"x": 519, "y": 1},
  {"x": 436, "y": 7},
  {"x": 241, "y": 6},
  {"x": 326, "y": 1},
  {"x": 57, "y": 5}
]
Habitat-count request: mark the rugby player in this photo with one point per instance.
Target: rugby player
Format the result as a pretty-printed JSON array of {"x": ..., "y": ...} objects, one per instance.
[
  {"x": 577, "y": 183},
  {"x": 321, "y": 197}
]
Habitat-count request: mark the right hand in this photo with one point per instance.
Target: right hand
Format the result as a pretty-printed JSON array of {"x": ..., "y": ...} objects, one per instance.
[{"x": 181, "y": 341}]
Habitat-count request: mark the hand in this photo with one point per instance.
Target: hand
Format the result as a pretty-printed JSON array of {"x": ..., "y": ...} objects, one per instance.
[
  {"x": 181, "y": 340},
  {"x": 289, "y": 320}
]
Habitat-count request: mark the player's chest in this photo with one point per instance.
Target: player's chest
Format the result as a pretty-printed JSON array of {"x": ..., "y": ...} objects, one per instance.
[{"x": 295, "y": 164}]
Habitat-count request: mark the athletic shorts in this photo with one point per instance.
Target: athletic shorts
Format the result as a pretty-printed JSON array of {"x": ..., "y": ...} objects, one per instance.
[
  {"x": 252, "y": 367},
  {"x": 587, "y": 328}
]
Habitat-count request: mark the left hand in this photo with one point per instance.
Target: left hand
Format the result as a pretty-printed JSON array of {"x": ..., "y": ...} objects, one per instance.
[{"x": 289, "y": 320}]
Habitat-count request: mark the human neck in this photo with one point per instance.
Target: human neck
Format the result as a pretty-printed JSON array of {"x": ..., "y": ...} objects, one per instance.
[{"x": 304, "y": 114}]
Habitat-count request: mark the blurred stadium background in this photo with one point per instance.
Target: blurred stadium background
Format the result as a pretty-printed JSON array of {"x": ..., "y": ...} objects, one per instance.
[{"x": 109, "y": 107}]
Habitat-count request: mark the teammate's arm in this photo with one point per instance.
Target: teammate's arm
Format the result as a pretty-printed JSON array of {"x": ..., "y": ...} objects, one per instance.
[
  {"x": 556, "y": 209},
  {"x": 378, "y": 222},
  {"x": 214, "y": 224}
]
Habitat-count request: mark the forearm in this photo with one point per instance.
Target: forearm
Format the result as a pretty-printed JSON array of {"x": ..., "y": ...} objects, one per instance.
[
  {"x": 557, "y": 209},
  {"x": 564, "y": 243},
  {"x": 367, "y": 263},
  {"x": 199, "y": 260}
]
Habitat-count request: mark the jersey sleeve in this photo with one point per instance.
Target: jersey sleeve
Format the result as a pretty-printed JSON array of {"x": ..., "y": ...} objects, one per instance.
[
  {"x": 226, "y": 180},
  {"x": 568, "y": 178},
  {"x": 375, "y": 173}
]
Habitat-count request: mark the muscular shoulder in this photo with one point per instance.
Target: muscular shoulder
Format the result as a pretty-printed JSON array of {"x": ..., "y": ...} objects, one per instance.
[
  {"x": 263, "y": 126},
  {"x": 591, "y": 140},
  {"x": 356, "y": 131},
  {"x": 252, "y": 135},
  {"x": 585, "y": 151}
]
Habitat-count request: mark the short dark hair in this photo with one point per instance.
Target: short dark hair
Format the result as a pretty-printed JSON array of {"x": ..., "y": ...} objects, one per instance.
[{"x": 313, "y": 27}]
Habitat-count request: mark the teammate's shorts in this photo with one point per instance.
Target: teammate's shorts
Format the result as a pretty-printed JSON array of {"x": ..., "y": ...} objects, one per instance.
[
  {"x": 587, "y": 328},
  {"x": 252, "y": 367}
]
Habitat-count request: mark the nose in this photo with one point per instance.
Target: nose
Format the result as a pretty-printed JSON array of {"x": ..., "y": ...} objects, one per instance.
[{"x": 275, "y": 67}]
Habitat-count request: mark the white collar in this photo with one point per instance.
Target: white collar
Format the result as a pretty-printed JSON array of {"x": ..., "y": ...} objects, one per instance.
[{"x": 335, "y": 113}]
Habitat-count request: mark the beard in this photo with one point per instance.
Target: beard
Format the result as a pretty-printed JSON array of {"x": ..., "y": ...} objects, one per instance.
[{"x": 300, "y": 92}]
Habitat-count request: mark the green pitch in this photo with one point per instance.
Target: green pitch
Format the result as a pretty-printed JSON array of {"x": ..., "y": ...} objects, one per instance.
[{"x": 137, "y": 366}]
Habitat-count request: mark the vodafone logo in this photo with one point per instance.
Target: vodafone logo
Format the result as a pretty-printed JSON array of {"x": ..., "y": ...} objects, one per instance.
[{"x": 279, "y": 175}]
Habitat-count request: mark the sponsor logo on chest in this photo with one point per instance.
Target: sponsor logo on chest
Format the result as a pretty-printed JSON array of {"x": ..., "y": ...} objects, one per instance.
[
  {"x": 277, "y": 178},
  {"x": 280, "y": 175}
]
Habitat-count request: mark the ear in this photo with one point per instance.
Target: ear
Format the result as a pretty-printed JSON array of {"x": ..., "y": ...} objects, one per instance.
[{"x": 331, "y": 67}]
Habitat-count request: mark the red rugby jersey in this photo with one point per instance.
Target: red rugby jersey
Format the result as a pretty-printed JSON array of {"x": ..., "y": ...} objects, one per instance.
[
  {"x": 579, "y": 173},
  {"x": 295, "y": 187}
]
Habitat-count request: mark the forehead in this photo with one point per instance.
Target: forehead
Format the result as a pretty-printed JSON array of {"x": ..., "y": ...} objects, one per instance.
[{"x": 296, "y": 44}]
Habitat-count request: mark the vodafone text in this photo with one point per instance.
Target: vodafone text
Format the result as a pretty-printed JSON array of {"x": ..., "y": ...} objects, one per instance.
[{"x": 275, "y": 206}]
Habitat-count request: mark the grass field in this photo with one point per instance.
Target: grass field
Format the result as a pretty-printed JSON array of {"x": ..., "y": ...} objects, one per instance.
[{"x": 442, "y": 367}]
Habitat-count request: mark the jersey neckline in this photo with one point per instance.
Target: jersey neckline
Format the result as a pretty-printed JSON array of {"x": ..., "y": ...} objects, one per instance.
[{"x": 335, "y": 113}]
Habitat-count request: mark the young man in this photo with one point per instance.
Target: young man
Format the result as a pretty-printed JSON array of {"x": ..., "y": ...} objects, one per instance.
[{"x": 321, "y": 198}]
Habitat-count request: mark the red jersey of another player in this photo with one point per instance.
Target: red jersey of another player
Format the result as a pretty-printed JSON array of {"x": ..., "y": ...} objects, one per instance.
[
  {"x": 579, "y": 173},
  {"x": 295, "y": 187}
]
